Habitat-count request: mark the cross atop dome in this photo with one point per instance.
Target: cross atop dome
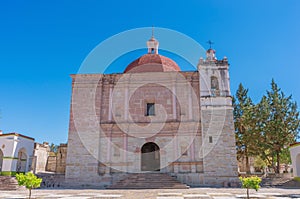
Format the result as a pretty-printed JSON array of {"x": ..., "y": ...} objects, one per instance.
[{"x": 152, "y": 44}]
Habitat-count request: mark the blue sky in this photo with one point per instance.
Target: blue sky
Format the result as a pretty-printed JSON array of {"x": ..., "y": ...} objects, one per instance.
[{"x": 43, "y": 42}]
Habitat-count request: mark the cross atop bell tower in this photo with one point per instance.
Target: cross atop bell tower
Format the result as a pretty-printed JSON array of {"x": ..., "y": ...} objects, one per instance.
[
  {"x": 210, "y": 53},
  {"x": 214, "y": 78},
  {"x": 210, "y": 43}
]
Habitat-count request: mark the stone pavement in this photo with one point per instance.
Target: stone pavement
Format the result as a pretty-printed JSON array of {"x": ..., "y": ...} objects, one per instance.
[{"x": 193, "y": 193}]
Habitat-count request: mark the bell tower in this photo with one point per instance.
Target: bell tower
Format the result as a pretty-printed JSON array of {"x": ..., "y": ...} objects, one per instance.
[
  {"x": 218, "y": 138},
  {"x": 214, "y": 77}
]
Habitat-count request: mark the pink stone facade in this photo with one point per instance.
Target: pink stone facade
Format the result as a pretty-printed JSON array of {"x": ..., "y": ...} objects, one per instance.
[{"x": 192, "y": 132}]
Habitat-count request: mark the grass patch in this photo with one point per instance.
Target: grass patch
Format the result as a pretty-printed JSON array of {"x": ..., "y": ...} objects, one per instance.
[{"x": 297, "y": 179}]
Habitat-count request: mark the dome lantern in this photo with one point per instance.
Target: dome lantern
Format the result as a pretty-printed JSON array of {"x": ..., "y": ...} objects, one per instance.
[
  {"x": 152, "y": 61},
  {"x": 152, "y": 44}
]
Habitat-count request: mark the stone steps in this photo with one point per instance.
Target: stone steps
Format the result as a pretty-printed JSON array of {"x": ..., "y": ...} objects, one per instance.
[
  {"x": 8, "y": 183},
  {"x": 274, "y": 181},
  {"x": 291, "y": 184},
  {"x": 148, "y": 181}
]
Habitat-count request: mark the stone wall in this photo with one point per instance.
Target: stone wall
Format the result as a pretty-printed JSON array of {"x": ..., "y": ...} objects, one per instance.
[
  {"x": 41, "y": 153},
  {"x": 102, "y": 98},
  {"x": 51, "y": 163},
  {"x": 103, "y": 142},
  {"x": 219, "y": 153},
  {"x": 46, "y": 161},
  {"x": 83, "y": 138},
  {"x": 61, "y": 159},
  {"x": 56, "y": 162}
]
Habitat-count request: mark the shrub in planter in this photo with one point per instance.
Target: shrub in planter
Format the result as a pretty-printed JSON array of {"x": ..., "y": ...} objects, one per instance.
[
  {"x": 29, "y": 180},
  {"x": 250, "y": 183}
]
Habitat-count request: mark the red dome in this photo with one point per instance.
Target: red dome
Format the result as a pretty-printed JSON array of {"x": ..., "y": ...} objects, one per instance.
[{"x": 152, "y": 63}]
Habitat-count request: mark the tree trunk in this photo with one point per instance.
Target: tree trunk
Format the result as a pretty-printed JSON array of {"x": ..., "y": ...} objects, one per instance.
[
  {"x": 248, "y": 193},
  {"x": 247, "y": 165},
  {"x": 247, "y": 161},
  {"x": 29, "y": 193},
  {"x": 278, "y": 163},
  {"x": 273, "y": 164}
]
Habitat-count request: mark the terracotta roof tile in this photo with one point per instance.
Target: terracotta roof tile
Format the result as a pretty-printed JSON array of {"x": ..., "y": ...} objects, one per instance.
[{"x": 152, "y": 63}]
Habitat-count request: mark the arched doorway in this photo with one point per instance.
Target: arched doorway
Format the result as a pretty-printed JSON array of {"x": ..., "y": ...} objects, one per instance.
[
  {"x": 297, "y": 172},
  {"x": 1, "y": 159},
  {"x": 150, "y": 160},
  {"x": 22, "y": 160}
]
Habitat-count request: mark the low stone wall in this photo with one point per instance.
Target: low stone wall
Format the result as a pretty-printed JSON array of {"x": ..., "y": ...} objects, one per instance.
[
  {"x": 51, "y": 180},
  {"x": 51, "y": 164}
]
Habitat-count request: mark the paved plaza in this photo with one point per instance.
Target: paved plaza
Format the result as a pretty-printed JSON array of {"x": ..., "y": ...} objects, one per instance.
[{"x": 193, "y": 193}]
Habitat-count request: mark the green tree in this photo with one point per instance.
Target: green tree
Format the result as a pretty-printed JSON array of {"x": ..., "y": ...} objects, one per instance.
[
  {"x": 262, "y": 116},
  {"x": 29, "y": 180},
  {"x": 244, "y": 122},
  {"x": 250, "y": 183},
  {"x": 53, "y": 148},
  {"x": 265, "y": 129},
  {"x": 280, "y": 128}
]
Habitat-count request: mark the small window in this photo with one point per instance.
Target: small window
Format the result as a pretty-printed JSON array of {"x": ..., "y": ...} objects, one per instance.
[
  {"x": 210, "y": 139},
  {"x": 150, "y": 109}
]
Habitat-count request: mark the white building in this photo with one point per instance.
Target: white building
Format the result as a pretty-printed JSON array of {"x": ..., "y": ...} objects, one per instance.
[
  {"x": 295, "y": 156},
  {"x": 16, "y": 152}
]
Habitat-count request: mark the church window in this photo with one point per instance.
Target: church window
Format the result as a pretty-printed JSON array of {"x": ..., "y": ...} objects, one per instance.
[
  {"x": 214, "y": 83},
  {"x": 150, "y": 109},
  {"x": 210, "y": 139}
]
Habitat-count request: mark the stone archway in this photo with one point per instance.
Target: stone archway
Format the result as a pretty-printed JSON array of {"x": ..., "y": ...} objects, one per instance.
[
  {"x": 22, "y": 161},
  {"x": 150, "y": 157},
  {"x": 297, "y": 172},
  {"x": 1, "y": 159}
]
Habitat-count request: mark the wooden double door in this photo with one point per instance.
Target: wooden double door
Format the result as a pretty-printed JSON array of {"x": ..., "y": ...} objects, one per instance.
[{"x": 150, "y": 160}]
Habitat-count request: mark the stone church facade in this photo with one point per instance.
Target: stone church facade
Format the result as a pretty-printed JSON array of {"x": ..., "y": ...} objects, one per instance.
[{"x": 153, "y": 117}]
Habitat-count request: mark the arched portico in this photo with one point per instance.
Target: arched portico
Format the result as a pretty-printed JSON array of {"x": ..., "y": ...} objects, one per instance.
[
  {"x": 150, "y": 157},
  {"x": 22, "y": 161}
]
